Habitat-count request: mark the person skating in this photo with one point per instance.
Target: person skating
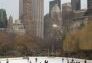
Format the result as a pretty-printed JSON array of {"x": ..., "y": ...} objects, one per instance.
[
  {"x": 27, "y": 59},
  {"x": 85, "y": 61},
  {"x": 62, "y": 60},
  {"x": 30, "y": 61},
  {"x": 72, "y": 61},
  {"x": 7, "y": 61},
  {"x": 67, "y": 60},
  {"x": 45, "y": 61},
  {"x": 36, "y": 60}
]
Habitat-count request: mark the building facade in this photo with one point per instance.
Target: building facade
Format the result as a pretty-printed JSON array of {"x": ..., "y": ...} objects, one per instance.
[
  {"x": 38, "y": 17},
  {"x": 53, "y": 23},
  {"x": 76, "y": 4},
  {"x": 10, "y": 24},
  {"x": 89, "y": 9},
  {"x": 18, "y": 27},
  {"x": 72, "y": 20},
  {"x": 56, "y": 15},
  {"x": 67, "y": 16},
  {"x": 3, "y": 18},
  {"x": 89, "y": 2},
  {"x": 53, "y": 3},
  {"x": 59, "y": 3},
  {"x": 32, "y": 15}
]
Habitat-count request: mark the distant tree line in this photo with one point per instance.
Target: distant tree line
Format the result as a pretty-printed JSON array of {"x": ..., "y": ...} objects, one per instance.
[{"x": 17, "y": 45}]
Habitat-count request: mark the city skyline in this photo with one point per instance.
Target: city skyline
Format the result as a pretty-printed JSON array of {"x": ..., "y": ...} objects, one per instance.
[
  {"x": 12, "y": 6},
  {"x": 50, "y": 28}
]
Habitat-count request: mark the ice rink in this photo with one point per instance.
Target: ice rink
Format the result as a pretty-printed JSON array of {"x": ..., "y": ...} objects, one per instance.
[{"x": 41, "y": 60}]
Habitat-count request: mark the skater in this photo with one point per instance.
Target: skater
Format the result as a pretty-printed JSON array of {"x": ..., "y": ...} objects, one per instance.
[
  {"x": 45, "y": 61},
  {"x": 7, "y": 61},
  {"x": 72, "y": 61},
  {"x": 40, "y": 62},
  {"x": 85, "y": 61},
  {"x": 62, "y": 60},
  {"x": 36, "y": 60},
  {"x": 67, "y": 60},
  {"x": 30, "y": 61}
]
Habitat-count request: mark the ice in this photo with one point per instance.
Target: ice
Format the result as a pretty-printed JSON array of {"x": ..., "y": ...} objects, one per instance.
[{"x": 42, "y": 59}]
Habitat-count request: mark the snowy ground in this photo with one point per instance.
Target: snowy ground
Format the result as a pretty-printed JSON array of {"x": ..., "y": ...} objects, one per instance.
[{"x": 41, "y": 60}]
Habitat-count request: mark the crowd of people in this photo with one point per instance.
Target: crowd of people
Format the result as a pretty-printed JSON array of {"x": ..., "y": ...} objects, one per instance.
[
  {"x": 73, "y": 61},
  {"x": 46, "y": 61}
]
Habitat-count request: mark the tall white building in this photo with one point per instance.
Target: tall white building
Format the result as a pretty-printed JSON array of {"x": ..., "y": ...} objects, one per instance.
[
  {"x": 56, "y": 16},
  {"x": 32, "y": 15},
  {"x": 18, "y": 27},
  {"x": 10, "y": 24}
]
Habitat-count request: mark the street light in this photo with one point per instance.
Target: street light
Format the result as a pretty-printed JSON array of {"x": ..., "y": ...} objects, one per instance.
[
  {"x": 55, "y": 26},
  {"x": 58, "y": 28},
  {"x": 58, "y": 31}
]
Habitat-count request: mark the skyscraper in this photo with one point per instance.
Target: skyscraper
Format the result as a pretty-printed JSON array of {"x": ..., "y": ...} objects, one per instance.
[
  {"x": 10, "y": 24},
  {"x": 32, "y": 15},
  {"x": 67, "y": 16},
  {"x": 56, "y": 15},
  {"x": 38, "y": 17},
  {"x": 3, "y": 18},
  {"x": 53, "y": 3},
  {"x": 25, "y": 15},
  {"x": 89, "y": 10},
  {"x": 89, "y": 2},
  {"x": 76, "y": 4},
  {"x": 59, "y": 3},
  {"x": 18, "y": 27}
]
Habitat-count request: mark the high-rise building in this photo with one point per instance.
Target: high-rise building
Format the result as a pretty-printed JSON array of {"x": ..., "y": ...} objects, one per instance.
[
  {"x": 38, "y": 17},
  {"x": 10, "y": 24},
  {"x": 53, "y": 3},
  {"x": 53, "y": 19},
  {"x": 59, "y": 3},
  {"x": 53, "y": 24},
  {"x": 89, "y": 10},
  {"x": 76, "y": 4},
  {"x": 18, "y": 27},
  {"x": 56, "y": 15},
  {"x": 89, "y": 2},
  {"x": 32, "y": 15},
  {"x": 25, "y": 15},
  {"x": 72, "y": 19},
  {"x": 67, "y": 16},
  {"x": 3, "y": 18}
]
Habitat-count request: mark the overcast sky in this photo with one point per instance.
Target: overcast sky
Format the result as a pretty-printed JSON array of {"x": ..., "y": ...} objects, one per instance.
[{"x": 12, "y": 6}]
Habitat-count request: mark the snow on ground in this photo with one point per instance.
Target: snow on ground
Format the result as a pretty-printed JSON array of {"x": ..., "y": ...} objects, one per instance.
[{"x": 41, "y": 60}]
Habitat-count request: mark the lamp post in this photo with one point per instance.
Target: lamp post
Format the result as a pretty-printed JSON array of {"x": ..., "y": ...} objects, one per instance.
[
  {"x": 55, "y": 26},
  {"x": 59, "y": 35}
]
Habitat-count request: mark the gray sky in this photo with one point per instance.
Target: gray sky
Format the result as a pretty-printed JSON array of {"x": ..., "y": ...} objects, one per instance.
[{"x": 12, "y": 6}]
